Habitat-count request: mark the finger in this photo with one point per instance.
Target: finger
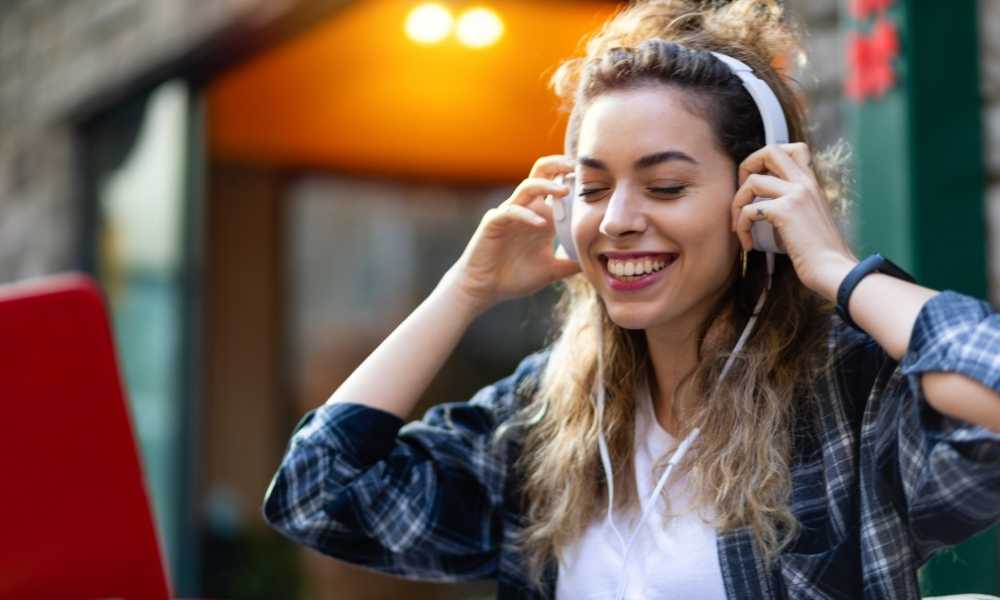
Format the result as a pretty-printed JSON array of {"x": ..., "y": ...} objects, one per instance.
[
  {"x": 774, "y": 160},
  {"x": 757, "y": 185},
  {"x": 514, "y": 212},
  {"x": 800, "y": 153},
  {"x": 769, "y": 210},
  {"x": 543, "y": 207},
  {"x": 532, "y": 188},
  {"x": 550, "y": 166},
  {"x": 563, "y": 267}
]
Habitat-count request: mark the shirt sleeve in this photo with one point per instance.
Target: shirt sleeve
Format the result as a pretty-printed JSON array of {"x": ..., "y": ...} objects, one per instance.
[
  {"x": 949, "y": 469},
  {"x": 420, "y": 501}
]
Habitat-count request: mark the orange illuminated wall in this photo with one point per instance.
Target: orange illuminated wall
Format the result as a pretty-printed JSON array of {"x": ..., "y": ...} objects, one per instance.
[{"x": 355, "y": 94}]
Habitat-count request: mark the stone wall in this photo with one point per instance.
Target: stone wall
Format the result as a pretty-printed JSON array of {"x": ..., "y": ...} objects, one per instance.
[{"x": 58, "y": 61}]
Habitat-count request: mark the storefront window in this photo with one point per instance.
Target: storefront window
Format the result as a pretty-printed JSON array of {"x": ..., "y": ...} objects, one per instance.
[{"x": 135, "y": 161}]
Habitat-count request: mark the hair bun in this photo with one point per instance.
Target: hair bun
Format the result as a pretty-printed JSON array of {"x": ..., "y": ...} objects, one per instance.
[{"x": 755, "y": 30}]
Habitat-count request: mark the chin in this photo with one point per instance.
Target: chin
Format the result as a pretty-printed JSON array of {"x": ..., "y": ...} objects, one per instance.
[{"x": 629, "y": 317}]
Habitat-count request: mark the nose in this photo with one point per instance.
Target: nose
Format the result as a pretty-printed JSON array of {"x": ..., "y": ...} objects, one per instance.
[{"x": 623, "y": 215}]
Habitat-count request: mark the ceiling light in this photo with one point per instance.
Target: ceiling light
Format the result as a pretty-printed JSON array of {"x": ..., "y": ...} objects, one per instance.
[
  {"x": 479, "y": 27},
  {"x": 429, "y": 23}
]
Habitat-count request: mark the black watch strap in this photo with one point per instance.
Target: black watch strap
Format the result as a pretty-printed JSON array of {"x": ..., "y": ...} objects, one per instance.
[{"x": 876, "y": 263}]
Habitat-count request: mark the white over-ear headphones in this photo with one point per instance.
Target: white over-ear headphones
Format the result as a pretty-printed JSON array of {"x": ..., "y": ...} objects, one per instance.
[{"x": 775, "y": 132}]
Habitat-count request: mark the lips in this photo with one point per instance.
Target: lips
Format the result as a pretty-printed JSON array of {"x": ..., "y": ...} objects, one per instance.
[{"x": 618, "y": 266}]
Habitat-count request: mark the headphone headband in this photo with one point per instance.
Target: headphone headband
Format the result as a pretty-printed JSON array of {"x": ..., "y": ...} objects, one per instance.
[{"x": 775, "y": 126}]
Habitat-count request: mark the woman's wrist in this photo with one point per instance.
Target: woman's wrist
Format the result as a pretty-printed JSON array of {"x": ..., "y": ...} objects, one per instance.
[
  {"x": 832, "y": 275},
  {"x": 466, "y": 306}
]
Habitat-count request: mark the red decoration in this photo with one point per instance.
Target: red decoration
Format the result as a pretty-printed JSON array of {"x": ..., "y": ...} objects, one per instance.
[
  {"x": 862, "y": 9},
  {"x": 869, "y": 59}
]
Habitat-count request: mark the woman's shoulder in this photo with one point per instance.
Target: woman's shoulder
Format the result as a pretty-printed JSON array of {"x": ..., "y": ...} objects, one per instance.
[
  {"x": 512, "y": 393},
  {"x": 526, "y": 377}
]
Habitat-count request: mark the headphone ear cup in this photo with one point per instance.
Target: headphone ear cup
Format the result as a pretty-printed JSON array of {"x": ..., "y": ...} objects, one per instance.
[{"x": 562, "y": 215}]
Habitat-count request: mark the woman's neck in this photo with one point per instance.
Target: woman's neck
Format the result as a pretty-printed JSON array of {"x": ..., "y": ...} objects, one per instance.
[{"x": 672, "y": 359}]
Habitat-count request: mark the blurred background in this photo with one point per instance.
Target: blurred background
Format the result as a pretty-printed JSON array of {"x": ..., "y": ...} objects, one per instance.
[{"x": 266, "y": 188}]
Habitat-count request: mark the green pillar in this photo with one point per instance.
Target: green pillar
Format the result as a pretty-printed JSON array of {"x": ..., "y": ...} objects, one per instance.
[{"x": 919, "y": 169}]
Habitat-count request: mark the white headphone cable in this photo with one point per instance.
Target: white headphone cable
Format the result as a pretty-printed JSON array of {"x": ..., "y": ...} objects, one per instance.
[{"x": 681, "y": 449}]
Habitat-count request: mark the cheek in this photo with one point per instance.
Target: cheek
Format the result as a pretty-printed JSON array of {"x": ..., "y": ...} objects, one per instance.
[
  {"x": 692, "y": 225},
  {"x": 585, "y": 230},
  {"x": 586, "y": 223},
  {"x": 711, "y": 219}
]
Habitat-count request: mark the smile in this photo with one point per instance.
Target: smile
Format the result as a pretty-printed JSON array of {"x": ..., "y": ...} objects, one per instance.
[{"x": 627, "y": 273}]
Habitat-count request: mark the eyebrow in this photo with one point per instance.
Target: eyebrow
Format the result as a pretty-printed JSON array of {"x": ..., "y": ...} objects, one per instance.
[{"x": 643, "y": 163}]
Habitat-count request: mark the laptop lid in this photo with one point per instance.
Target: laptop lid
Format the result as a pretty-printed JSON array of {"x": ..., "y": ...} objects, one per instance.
[{"x": 75, "y": 519}]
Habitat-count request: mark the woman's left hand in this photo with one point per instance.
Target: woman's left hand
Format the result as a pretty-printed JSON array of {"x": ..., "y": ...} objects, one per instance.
[{"x": 799, "y": 213}]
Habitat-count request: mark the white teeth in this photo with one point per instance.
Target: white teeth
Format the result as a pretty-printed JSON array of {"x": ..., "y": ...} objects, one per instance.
[{"x": 635, "y": 267}]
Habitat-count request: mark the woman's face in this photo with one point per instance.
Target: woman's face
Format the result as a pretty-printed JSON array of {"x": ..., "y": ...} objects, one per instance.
[{"x": 653, "y": 194}]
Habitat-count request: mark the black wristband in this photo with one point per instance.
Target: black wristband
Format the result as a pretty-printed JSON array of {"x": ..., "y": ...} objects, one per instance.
[{"x": 876, "y": 263}]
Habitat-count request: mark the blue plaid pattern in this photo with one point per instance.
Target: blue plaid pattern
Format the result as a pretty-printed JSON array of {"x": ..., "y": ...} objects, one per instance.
[{"x": 881, "y": 480}]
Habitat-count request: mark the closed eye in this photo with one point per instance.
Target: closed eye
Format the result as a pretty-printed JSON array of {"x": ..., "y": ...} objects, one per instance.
[
  {"x": 656, "y": 190},
  {"x": 670, "y": 190}
]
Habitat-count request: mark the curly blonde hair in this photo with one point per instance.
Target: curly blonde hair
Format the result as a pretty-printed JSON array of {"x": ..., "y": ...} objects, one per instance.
[{"x": 741, "y": 462}]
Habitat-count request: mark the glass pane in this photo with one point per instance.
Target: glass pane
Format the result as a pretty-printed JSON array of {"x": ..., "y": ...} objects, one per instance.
[{"x": 140, "y": 200}]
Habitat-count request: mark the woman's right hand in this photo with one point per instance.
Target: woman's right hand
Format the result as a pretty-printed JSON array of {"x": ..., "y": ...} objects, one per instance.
[{"x": 510, "y": 254}]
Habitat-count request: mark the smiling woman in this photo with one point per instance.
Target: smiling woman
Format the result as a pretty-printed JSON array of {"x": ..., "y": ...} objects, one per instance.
[
  {"x": 660, "y": 132},
  {"x": 819, "y": 467}
]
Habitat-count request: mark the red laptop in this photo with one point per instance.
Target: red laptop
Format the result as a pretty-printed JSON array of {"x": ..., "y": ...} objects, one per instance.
[{"x": 75, "y": 521}]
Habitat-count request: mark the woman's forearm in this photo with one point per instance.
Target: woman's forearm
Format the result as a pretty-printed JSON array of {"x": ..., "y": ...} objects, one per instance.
[
  {"x": 887, "y": 308},
  {"x": 959, "y": 396},
  {"x": 394, "y": 376},
  {"x": 884, "y": 306}
]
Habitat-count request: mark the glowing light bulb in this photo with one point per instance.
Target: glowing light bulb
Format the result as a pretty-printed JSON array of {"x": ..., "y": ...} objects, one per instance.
[
  {"x": 479, "y": 27},
  {"x": 429, "y": 23}
]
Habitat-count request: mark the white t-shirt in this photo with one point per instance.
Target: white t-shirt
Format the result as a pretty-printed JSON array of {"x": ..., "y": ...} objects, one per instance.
[{"x": 676, "y": 559}]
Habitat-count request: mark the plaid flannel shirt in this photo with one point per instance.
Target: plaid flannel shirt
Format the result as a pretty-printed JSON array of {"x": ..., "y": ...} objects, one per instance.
[{"x": 880, "y": 483}]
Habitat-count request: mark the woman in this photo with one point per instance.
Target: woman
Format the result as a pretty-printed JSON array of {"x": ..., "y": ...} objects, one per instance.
[{"x": 652, "y": 451}]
